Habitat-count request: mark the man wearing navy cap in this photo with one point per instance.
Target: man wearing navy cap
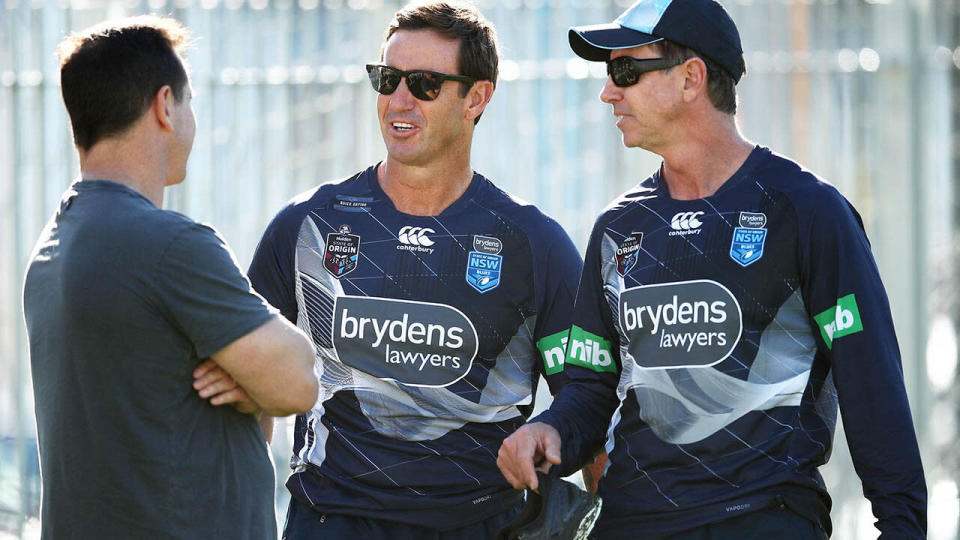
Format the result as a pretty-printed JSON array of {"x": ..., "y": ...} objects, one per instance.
[{"x": 729, "y": 306}]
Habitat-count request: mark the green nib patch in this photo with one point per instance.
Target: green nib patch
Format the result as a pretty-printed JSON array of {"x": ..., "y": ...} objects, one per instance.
[
  {"x": 840, "y": 320},
  {"x": 552, "y": 350},
  {"x": 590, "y": 351}
]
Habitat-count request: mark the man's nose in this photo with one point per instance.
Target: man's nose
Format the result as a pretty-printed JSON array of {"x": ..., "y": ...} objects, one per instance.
[
  {"x": 610, "y": 92},
  {"x": 401, "y": 98}
]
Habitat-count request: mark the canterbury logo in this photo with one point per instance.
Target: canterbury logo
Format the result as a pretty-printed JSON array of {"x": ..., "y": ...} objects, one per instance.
[
  {"x": 416, "y": 236},
  {"x": 686, "y": 221}
]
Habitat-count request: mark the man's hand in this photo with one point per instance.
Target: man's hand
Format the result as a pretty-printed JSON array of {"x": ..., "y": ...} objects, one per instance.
[
  {"x": 215, "y": 384},
  {"x": 533, "y": 447}
]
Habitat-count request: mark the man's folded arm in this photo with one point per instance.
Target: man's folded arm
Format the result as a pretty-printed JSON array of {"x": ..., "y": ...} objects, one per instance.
[{"x": 274, "y": 364}]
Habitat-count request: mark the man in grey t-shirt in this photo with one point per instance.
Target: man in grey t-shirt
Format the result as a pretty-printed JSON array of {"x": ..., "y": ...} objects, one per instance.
[{"x": 142, "y": 326}]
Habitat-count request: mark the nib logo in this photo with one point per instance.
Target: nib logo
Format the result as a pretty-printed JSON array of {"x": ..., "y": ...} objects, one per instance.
[
  {"x": 840, "y": 320},
  {"x": 589, "y": 351},
  {"x": 552, "y": 349}
]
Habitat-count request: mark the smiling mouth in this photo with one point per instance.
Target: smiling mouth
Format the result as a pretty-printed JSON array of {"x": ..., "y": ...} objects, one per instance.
[{"x": 402, "y": 127}]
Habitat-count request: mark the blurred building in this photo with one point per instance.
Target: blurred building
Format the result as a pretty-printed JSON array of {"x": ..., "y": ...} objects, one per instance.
[{"x": 866, "y": 93}]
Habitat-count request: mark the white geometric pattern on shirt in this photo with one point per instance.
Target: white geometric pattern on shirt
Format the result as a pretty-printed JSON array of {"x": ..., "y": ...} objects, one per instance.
[
  {"x": 703, "y": 401},
  {"x": 394, "y": 410}
]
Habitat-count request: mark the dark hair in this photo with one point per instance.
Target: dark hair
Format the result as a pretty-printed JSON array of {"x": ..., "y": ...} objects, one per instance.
[
  {"x": 110, "y": 72},
  {"x": 477, "y": 58},
  {"x": 720, "y": 85}
]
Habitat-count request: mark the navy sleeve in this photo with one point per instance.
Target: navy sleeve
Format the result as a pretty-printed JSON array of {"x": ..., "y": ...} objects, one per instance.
[
  {"x": 850, "y": 311},
  {"x": 558, "y": 269},
  {"x": 204, "y": 292},
  {"x": 272, "y": 270},
  {"x": 582, "y": 410}
]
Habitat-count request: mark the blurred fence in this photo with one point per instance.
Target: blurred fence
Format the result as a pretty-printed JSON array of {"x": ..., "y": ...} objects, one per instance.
[{"x": 864, "y": 93}]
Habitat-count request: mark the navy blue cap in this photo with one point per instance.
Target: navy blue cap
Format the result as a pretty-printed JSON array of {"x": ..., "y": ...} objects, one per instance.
[{"x": 701, "y": 25}]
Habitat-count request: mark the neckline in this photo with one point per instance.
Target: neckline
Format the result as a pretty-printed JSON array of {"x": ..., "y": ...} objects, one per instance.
[
  {"x": 735, "y": 179},
  {"x": 96, "y": 183},
  {"x": 457, "y": 206}
]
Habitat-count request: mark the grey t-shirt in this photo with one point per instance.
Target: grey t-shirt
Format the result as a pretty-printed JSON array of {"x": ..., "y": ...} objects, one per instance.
[{"x": 122, "y": 301}]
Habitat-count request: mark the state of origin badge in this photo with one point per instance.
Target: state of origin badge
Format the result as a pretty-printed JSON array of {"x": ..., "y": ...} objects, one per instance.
[
  {"x": 627, "y": 253},
  {"x": 341, "y": 253}
]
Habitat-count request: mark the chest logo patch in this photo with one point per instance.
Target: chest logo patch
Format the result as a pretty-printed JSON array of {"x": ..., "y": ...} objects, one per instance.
[
  {"x": 416, "y": 239},
  {"x": 746, "y": 247},
  {"x": 685, "y": 324},
  {"x": 341, "y": 253},
  {"x": 684, "y": 223},
  {"x": 627, "y": 253},
  {"x": 484, "y": 264},
  {"x": 414, "y": 343}
]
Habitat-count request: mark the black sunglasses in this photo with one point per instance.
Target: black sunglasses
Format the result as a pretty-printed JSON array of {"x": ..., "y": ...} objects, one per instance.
[
  {"x": 626, "y": 71},
  {"x": 424, "y": 85}
]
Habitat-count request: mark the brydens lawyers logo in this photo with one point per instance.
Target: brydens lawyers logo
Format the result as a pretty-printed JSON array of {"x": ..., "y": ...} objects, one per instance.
[
  {"x": 414, "y": 343},
  {"x": 415, "y": 239},
  {"x": 686, "y": 324},
  {"x": 341, "y": 252},
  {"x": 684, "y": 223}
]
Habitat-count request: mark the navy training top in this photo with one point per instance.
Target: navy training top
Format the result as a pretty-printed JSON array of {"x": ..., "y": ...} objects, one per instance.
[
  {"x": 431, "y": 334},
  {"x": 719, "y": 336}
]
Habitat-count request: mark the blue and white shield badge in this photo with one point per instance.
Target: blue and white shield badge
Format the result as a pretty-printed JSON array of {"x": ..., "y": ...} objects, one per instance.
[
  {"x": 484, "y": 263},
  {"x": 746, "y": 247}
]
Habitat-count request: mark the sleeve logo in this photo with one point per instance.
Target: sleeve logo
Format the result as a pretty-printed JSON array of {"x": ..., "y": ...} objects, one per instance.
[
  {"x": 552, "y": 349},
  {"x": 589, "y": 351},
  {"x": 840, "y": 320}
]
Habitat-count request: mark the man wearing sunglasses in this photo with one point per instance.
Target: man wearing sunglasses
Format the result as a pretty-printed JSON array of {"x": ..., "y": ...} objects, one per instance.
[
  {"x": 435, "y": 300},
  {"x": 739, "y": 303}
]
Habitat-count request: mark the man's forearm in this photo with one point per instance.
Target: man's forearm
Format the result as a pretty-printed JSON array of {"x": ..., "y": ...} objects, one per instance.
[{"x": 581, "y": 414}]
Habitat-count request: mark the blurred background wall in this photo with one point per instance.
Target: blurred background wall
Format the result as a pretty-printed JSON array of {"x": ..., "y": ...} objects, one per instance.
[{"x": 866, "y": 93}]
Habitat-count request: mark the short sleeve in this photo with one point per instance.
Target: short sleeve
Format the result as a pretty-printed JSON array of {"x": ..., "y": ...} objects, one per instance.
[
  {"x": 272, "y": 270},
  {"x": 204, "y": 292}
]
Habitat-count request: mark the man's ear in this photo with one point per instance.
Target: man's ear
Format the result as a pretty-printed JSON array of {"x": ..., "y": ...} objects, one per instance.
[
  {"x": 477, "y": 99},
  {"x": 694, "y": 78},
  {"x": 161, "y": 106}
]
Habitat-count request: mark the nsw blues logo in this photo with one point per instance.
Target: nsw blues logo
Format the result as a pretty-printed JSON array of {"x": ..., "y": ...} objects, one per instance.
[
  {"x": 484, "y": 264},
  {"x": 627, "y": 253},
  {"x": 746, "y": 247},
  {"x": 341, "y": 253}
]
